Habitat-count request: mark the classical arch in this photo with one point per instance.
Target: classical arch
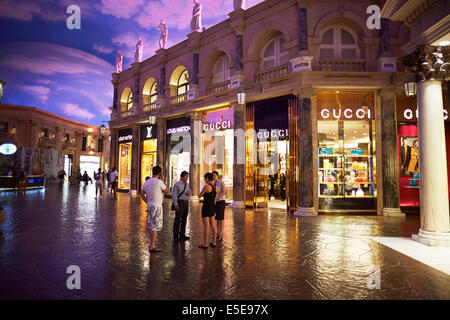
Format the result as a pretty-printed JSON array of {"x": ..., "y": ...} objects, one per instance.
[
  {"x": 215, "y": 56},
  {"x": 126, "y": 99},
  {"x": 149, "y": 91},
  {"x": 262, "y": 37},
  {"x": 179, "y": 80},
  {"x": 343, "y": 17}
]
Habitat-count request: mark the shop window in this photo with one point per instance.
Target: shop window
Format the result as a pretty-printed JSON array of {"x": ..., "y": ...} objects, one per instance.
[
  {"x": 148, "y": 158},
  {"x": 84, "y": 144},
  {"x": 221, "y": 72},
  {"x": 100, "y": 145},
  {"x": 339, "y": 43},
  {"x": 66, "y": 137},
  {"x": 347, "y": 161},
  {"x": 125, "y": 150},
  {"x": 274, "y": 54},
  {"x": 183, "y": 83}
]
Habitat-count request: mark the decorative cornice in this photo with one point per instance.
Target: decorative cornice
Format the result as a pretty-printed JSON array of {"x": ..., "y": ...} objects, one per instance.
[{"x": 428, "y": 62}]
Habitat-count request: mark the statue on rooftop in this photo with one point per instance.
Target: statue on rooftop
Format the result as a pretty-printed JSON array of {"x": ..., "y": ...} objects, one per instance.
[
  {"x": 119, "y": 60},
  {"x": 196, "y": 22},
  {"x": 238, "y": 4},
  {"x": 163, "y": 39},
  {"x": 139, "y": 51}
]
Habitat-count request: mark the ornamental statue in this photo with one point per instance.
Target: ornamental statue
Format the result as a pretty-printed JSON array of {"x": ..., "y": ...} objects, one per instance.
[
  {"x": 238, "y": 4},
  {"x": 163, "y": 39},
  {"x": 196, "y": 22},
  {"x": 119, "y": 60},
  {"x": 139, "y": 51}
]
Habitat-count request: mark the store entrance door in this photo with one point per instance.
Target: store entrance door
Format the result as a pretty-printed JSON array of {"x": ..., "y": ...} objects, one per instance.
[{"x": 271, "y": 176}]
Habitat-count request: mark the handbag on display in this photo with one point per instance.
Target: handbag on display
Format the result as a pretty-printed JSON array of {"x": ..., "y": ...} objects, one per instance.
[
  {"x": 330, "y": 150},
  {"x": 323, "y": 150},
  {"x": 359, "y": 193}
]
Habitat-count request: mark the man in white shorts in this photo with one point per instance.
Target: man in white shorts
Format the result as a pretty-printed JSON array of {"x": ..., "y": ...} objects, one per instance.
[
  {"x": 152, "y": 193},
  {"x": 98, "y": 182}
]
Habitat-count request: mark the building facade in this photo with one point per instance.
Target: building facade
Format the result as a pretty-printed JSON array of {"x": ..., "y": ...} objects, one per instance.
[
  {"x": 47, "y": 143},
  {"x": 322, "y": 95}
]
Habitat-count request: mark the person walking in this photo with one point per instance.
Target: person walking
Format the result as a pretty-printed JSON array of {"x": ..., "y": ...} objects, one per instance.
[
  {"x": 219, "y": 208},
  {"x": 180, "y": 198},
  {"x": 209, "y": 198},
  {"x": 98, "y": 177},
  {"x": 152, "y": 193},
  {"x": 283, "y": 186},
  {"x": 113, "y": 177}
]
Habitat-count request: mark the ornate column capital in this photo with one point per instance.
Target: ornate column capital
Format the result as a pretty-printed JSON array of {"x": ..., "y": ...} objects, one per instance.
[
  {"x": 428, "y": 62},
  {"x": 388, "y": 91}
]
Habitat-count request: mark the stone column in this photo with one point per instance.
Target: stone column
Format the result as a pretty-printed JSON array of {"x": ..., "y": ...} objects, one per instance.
[
  {"x": 161, "y": 143},
  {"x": 113, "y": 149},
  {"x": 135, "y": 160},
  {"x": 239, "y": 157},
  {"x": 196, "y": 155},
  {"x": 427, "y": 61},
  {"x": 391, "y": 195},
  {"x": 303, "y": 61},
  {"x": 116, "y": 105},
  {"x": 305, "y": 154},
  {"x": 194, "y": 89}
]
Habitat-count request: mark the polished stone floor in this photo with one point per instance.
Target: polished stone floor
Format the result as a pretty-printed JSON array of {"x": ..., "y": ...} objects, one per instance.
[{"x": 264, "y": 255}]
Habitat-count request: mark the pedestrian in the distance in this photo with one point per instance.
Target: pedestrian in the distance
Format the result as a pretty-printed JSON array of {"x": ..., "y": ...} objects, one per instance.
[
  {"x": 152, "y": 193},
  {"x": 113, "y": 177},
  {"x": 98, "y": 177},
  {"x": 180, "y": 198},
  {"x": 220, "y": 203},
  {"x": 209, "y": 198}
]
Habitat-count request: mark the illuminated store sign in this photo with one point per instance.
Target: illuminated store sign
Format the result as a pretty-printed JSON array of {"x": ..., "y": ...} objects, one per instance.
[
  {"x": 274, "y": 133},
  {"x": 149, "y": 132},
  {"x": 409, "y": 114},
  {"x": 179, "y": 129},
  {"x": 224, "y": 125},
  {"x": 8, "y": 148},
  {"x": 125, "y": 135},
  {"x": 336, "y": 114}
]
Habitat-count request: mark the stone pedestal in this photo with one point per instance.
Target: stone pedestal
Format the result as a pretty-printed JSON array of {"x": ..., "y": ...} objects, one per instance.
[
  {"x": 305, "y": 155},
  {"x": 434, "y": 208},
  {"x": 237, "y": 80},
  {"x": 387, "y": 64},
  {"x": 391, "y": 194},
  {"x": 193, "y": 92},
  {"x": 302, "y": 63}
]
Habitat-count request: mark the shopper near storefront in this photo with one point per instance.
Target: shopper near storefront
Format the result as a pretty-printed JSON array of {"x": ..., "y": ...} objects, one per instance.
[
  {"x": 113, "y": 177},
  {"x": 180, "y": 197},
  {"x": 220, "y": 203},
  {"x": 152, "y": 193},
  {"x": 283, "y": 186},
  {"x": 209, "y": 198},
  {"x": 98, "y": 177}
]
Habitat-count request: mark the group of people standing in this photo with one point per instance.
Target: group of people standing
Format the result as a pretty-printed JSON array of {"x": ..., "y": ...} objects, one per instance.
[{"x": 213, "y": 193}]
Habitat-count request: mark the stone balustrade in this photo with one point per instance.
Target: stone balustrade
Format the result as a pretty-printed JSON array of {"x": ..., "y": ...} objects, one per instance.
[
  {"x": 356, "y": 65},
  {"x": 272, "y": 73},
  {"x": 179, "y": 98},
  {"x": 218, "y": 87}
]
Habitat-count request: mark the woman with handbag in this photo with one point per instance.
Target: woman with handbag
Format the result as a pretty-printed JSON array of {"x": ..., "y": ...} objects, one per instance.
[{"x": 209, "y": 199}]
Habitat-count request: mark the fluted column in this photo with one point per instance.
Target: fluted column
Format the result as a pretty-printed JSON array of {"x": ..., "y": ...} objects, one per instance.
[
  {"x": 305, "y": 154},
  {"x": 391, "y": 195},
  {"x": 427, "y": 63},
  {"x": 196, "y": 155}
]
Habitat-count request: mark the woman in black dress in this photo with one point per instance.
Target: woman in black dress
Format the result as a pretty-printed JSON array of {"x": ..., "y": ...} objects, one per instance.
[{"x": 209, "y": 199}]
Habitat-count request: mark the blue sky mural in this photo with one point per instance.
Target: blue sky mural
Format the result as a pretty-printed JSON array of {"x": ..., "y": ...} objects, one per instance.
[{"x": 68, "y": 72}]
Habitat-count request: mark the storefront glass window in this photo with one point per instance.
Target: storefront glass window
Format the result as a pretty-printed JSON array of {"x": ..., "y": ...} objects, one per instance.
[
  {"x": 148, "y": 158},
  {"x": 125, "y": 165},
  {"x": 347, "y": 162}
]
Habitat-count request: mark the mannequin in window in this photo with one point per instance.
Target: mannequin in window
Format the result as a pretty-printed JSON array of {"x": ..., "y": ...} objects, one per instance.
[{"x": 414, "y": 162}]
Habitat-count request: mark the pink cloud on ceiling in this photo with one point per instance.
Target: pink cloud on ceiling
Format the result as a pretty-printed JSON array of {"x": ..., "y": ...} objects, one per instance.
[
  {"x": 73, "y": 110},
  {"x": 103, "y": 49},
  {"x": 39, "y": 92}
]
